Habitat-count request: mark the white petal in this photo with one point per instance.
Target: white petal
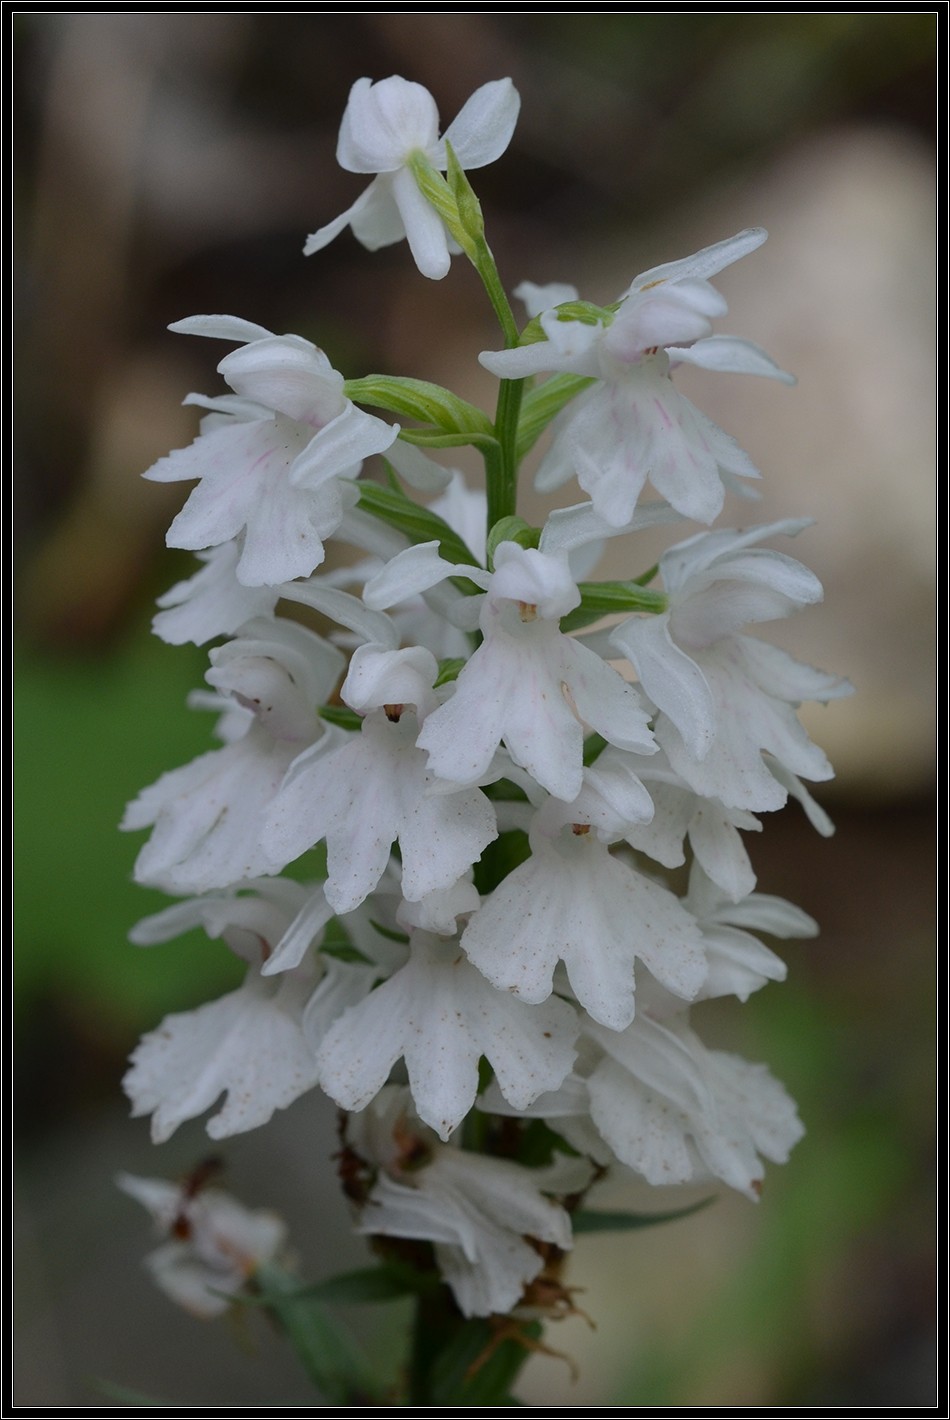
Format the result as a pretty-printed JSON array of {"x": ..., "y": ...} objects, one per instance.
[
  {"x": 417, "y": 468},
  {"x": 221, "y": 328},
  {"x": 538, "y": 299},
  {"x": 339, "y": 448},
  {"x": 288, "y": 375},
  {"x": 484, "y": 126},
  {"x": 415, "y": 570},
  {"x": 673, "y": 681},
  {"x": 325, "y": 235},
  {"x": 248, "y": 1045},
  {"x": 730, "y": 355},
  {"x": 348, "y": 610},
  {"x": 425, "y": 231},
  {"x": 383, "y": 123},
  {"x": 212, "y": 602},
  {"x": 705, "y": 263}
]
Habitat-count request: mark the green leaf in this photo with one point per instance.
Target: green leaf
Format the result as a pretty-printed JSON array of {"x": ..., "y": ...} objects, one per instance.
[
  {"x": 422, "y": 400},
  {"x": 341, "y": 715},
  {"x": 501, "y": 858},
  {"x": 603, "y": 598},
  {"x": 505, "y": 791},
  {"x": 433, "y": 439},
  {"x": 475, "y": 1368},
  {"x": 417, "y": 522},
  {"x": 467, "y": 204},
  {"x": 594, "y": 746},
  {"x": 327, "y": 1352},
  {"x": 540, "y": 405},
  {"x": 539, "y": 1143},
  {"x": 336, "y": 943},
  {"x": 591, "y": 1221},
  {"x": 511, "y": 529},
  {"x": 449, "y": 669},
  {"x": 388, "y": 933}
]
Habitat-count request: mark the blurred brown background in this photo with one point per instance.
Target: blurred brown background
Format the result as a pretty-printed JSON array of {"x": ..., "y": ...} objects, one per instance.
[{"x": 173, "y": 163}]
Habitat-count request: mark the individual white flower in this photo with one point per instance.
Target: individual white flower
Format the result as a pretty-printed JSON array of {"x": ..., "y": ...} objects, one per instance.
[
  {"x": 441, "y": 1016},
  {"x": 573, "y": 900},
  {"x": 270, "y": 459},
  {"x": 726, "y": 699},
  {"x": 215, "y": 1244},
  {"x": 528, "y": 685},
  {"x": 633, "y": 425},
  {"x": 667, "y": 1107},
  {"x": 207, "y": 815},
  {"x": 383, "y": 126},
  {"x": 678, "y": 1113},
  {"x": 480, "y": 1213},
  {"x": 376, "y": 788},
  {"x": 249, "y": 1045}
]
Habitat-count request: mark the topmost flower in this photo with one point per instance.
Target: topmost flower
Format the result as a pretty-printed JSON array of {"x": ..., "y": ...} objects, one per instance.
[{"x": 383, "y": 126}]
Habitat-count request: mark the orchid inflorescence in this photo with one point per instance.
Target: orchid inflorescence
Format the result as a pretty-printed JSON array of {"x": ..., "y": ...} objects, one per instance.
[{"x": 491, "y": 759}]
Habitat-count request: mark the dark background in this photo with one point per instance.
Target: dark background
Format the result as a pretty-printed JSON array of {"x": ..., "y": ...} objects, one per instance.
[{"x": 173, "y": 163}]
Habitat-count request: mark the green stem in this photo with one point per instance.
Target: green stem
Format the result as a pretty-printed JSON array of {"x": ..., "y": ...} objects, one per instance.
[
  {"x": 436, "y": 1322},
  {"x": 501, "y": 465}
]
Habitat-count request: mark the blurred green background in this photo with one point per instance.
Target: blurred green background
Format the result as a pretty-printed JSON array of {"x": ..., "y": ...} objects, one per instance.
[{"x": 173, "y": 163}]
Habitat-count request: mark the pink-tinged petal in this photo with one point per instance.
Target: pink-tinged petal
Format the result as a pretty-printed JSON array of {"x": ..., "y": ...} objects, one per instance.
[
  {"x": 705, "y": 263},
  {"x": 288, "y": 375},
  {"x": 484, "y": 126},
  {"x": 668, "y": 315},
  {"x": 338, "y": 449},
  {"x": 730, "y": 355},
  {"x": 673, "y": 681},
  {"x": 425, "y": 231},
  {"x": 383, "y": 123},
  {"x": 221, "y": 328}
]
